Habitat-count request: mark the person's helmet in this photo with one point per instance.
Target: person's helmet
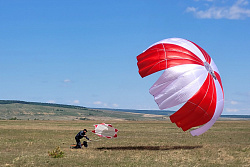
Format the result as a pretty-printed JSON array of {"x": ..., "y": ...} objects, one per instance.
[{"x": 85, "y": 130}]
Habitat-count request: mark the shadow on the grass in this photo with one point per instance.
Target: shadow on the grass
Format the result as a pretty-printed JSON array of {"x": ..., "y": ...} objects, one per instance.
[{"x": 150, "y": 148}]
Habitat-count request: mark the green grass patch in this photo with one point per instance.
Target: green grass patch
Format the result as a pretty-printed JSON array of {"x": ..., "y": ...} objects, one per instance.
[{"x": 56, "y": 153}]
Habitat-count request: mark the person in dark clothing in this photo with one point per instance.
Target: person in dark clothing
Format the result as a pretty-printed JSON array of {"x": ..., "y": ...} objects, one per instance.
[{"x": 79, "y": 136}]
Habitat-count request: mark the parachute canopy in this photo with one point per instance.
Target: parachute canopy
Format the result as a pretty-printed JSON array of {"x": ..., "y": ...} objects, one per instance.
[
  {"x": 105, "y": 130},
  {"x": 190, "y": 78}
]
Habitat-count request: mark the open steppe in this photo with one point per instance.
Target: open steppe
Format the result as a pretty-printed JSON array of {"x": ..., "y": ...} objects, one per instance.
[{"x": 139, "y": 143}]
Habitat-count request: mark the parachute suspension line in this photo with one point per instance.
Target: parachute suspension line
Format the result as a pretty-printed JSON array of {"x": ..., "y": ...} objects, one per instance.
[
  {"x": 165, "y": 52},
  {"x": 210, "y": 69}
]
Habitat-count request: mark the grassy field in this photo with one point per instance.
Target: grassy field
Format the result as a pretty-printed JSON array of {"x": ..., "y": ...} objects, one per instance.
[{"x": 139, "y": 143}]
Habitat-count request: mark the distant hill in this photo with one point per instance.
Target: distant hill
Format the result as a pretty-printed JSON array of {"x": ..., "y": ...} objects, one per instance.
[{"x": 14, "y": 109}]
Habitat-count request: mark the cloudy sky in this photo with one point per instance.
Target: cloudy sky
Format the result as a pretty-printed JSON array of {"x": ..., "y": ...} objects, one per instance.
[{"x": 84, "y": 52}]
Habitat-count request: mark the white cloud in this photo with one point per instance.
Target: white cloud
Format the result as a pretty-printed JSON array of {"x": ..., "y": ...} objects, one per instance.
[
  {"x": 97, "y": 102},
  {"x": 191, "y": 9},
  {"x": 236, "y": 11},
  {"x": 246, "y": 109},
  {"x": 231, "y": 110},
  {"x": 76, "y": 101},
  {"x": 100, "y": 103},
  {"x": 103, "y": 104},
  {"x": 67, "y": 81},
  {"x": 115, "y": 105},
  {"x": 51, "y": 101},
  {"x": 234, "y": 102}
]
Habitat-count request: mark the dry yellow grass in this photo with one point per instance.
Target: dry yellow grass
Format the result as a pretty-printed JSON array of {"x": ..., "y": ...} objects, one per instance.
[{"x": 139, "y": 143}]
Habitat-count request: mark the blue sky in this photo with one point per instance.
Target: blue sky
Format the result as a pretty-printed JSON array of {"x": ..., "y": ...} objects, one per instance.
[{"x": 84, "y": 52}]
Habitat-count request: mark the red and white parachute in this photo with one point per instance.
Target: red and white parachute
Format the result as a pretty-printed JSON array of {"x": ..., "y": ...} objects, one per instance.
[
  {"x": 190, "y": 77},
  {"x": 105, "y": 130}
]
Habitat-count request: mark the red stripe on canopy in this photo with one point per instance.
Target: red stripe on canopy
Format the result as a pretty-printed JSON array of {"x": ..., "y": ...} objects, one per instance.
[
  {"x": 162, "y": 56},
  {"x": 199, "y": 109}
]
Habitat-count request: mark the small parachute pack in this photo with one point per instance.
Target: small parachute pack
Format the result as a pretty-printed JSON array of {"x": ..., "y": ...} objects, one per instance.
[{"x": 105, "y": 130}]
